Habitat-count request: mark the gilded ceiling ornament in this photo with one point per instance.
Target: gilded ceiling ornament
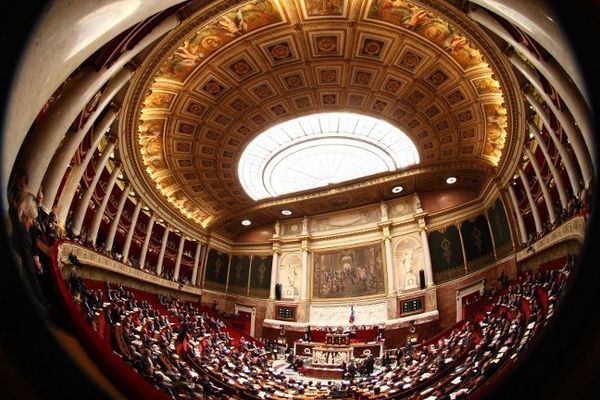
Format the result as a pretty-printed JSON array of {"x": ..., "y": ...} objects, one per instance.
[{"x": 209, "y": 58}]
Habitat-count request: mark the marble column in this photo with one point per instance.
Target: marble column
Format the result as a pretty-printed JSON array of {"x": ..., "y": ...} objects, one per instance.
[
  {"x": 540, "y": 24},
  {"x": 61, "y": 159},
  {"x": 134, "y": 218},
  {"x": 540, "y": 179},
  {"x": 163, "y": 246},
  {"x": 115, "y": 222},
  {"x": 556, "y": 176},
  {"x": 520, "y": 222},
  {"x": 275, "y": 263},
  {"x": 144, "y": 250},
  {"x": 426, "y": 258},
  {"x": 305, "y": 261},
  {"x": 77, "y": 171},
  {"x": 95, "y": 226},
  {"x": 532, "y": 203},
  {"x": 196, "y": 262},
  {"x": 570, "y": 86},
  {"x": 48, "y": 134},
  {"x": 584, "y": 154},
  {"x": 274, "y": 271},
  {"x": 68, "y": 37},
  {"x": 82, "y": 207},
  {"x": 391, "y": 278},
  {"x": 305, "y": 273},
  {"x": 204, "y": 258},
  {"x": 178, "y": 260},
  {"x": 564, "y": 155}
]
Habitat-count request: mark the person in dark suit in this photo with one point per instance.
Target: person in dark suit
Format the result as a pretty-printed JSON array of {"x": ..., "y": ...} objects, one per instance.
[
  {"x": 27, "y": 213},
  {"x": 369, "y": 365}
]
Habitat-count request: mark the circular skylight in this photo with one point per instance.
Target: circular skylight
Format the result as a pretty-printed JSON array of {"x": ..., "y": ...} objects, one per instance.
[{"x": 321, "y": 149}]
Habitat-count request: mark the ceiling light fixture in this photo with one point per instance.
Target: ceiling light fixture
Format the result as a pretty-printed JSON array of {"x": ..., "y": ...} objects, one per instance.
[
  {"x": 397, "y": 189},
  {"x": 451, "y": 180},
  {"x": 286, "y": 212},
  {"x": 246, "y": 222}
]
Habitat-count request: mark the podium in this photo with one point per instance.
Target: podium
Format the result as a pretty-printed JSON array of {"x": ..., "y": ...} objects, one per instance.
[{"x": 337, "y": 339}]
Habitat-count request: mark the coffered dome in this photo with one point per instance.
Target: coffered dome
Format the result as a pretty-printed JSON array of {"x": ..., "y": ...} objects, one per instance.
[{"x": 230, "y": 73}]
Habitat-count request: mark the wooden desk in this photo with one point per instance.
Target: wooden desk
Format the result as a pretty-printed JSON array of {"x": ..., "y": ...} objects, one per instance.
[{"x": 326, "y": 356}]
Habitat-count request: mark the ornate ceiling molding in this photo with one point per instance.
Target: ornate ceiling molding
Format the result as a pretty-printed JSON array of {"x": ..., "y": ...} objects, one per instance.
[{"x": 231, "y": 71}]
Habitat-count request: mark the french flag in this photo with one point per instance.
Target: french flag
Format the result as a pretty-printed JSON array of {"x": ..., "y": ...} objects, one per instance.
[{"x": 351, "y": 319}]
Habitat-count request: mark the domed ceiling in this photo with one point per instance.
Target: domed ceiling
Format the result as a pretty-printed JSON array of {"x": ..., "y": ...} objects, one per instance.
[{"x": 231, "y": 71}]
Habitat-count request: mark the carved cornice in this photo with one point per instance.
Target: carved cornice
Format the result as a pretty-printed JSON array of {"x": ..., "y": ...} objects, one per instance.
[{"x": 573, "y": 229}]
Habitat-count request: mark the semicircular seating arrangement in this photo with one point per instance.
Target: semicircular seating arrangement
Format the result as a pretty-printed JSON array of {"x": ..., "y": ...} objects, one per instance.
[{"x": 184, "y": 350}]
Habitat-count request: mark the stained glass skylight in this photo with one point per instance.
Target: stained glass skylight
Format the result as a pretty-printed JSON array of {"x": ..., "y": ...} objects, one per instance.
[{"x": 321, "y": 149}]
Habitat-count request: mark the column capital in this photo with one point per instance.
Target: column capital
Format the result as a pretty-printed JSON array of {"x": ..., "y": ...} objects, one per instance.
[{"x": 305, "y": 245}]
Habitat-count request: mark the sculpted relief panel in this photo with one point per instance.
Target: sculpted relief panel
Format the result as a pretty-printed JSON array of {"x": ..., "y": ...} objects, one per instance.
[
  {"x": 345, "y": 219},
  {"x": 339, "y": 315},
  {"x": 402, "y": 207}
]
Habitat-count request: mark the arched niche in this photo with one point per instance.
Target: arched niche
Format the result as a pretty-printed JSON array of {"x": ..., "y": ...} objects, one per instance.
[
  {"x": 408, "y": 261},
  {"x": 290, "y": 276}
]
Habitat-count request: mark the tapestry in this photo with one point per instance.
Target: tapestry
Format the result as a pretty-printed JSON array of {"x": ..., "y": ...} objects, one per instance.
[
  {"x": 477, "y": 242},
  {"x": 351, "y": 272},
  {"x": 260, "y": 276},
  {"x": 215, "y": 275},
  {"x": 446, "y": 254},
  {"x": 500, "y": 229},
  {"x": 239, "y": 270}
]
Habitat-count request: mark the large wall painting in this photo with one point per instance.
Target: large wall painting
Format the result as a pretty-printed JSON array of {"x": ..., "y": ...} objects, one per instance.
[
  {"x": 260, "y": 276},
  {"x": 446, "y": 254},
  {"x": 352, "y": 272}
]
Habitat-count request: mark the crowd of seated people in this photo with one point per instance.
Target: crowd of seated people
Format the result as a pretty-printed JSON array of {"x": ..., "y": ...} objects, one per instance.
[
  {"x": 506, "y": 326},
  {"x": 132, "y": 261},
  {"x": 576, "y": 205},
  {"x": 150, "y": 342},
  {"x": 188, "y": 353}
]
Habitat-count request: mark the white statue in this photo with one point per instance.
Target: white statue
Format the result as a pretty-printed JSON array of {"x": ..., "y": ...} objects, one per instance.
[
  {"x": 408, "y": 261},
  {"x": 410, "y": 280}
]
